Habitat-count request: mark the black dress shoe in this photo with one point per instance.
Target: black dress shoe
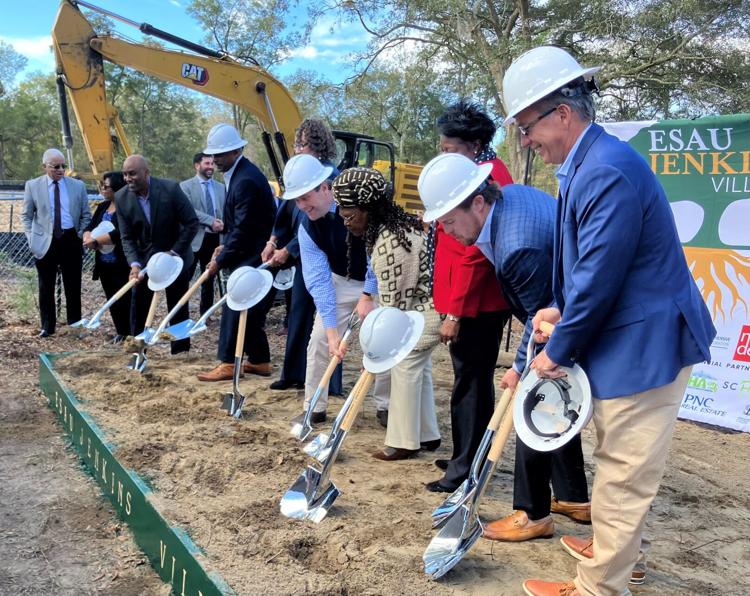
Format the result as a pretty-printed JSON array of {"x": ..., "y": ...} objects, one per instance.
[
  {"x": 45, "y": 333},
  {"x": 442, "y": 463},
  {"x": 318, "y": 417},
  {"x": 431, "y": 445},
  {"x": 282, "y": 385},
  {"x": 382, "y": 416},
  {"x": 436, "y": 487},
  {"x": 394, "y": 454}
]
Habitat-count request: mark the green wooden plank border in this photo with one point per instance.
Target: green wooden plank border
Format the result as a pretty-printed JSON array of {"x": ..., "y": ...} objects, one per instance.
[{"x": 169, "y": 549}]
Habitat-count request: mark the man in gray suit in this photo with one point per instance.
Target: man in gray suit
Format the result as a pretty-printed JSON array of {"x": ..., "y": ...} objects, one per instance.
[
  {"x": 55, "y": 213},
  {"x": 207, "y": 198}
]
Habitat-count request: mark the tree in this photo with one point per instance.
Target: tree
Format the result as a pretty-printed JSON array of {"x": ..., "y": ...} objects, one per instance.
[{"x": 11, "y": 63}]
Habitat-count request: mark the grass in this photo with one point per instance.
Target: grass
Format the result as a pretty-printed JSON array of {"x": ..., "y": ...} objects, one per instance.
[{"x": 23, "y": 297}]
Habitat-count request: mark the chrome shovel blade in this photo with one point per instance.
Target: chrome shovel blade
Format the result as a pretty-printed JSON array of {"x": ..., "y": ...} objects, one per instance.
[
  {"x": 302, "y": 429},
  {"x": 452, "y": 542},
  {"x": 460, "y": 496},
  {"x": 138, "y": 361},
  {"x": 92, "y": 324},
  {"x": 197, "y": 328},
  {"x": 316, "y": 447},
  {"x": 145, "y": 335},
  {"x": 228, "y": 403},
  {"x": 178, "y": 331},
  {"x": 239, "y": 402},
  {"x": 81, "y": 323},
  {"x": 306, "y": 499}
]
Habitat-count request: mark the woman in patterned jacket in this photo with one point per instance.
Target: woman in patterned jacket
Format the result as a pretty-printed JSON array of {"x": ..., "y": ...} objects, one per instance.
[{"x": 396, "y": 246}]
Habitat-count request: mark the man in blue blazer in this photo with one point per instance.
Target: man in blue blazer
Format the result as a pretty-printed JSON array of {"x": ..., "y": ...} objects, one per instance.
[{"x": 626, "y": 307}]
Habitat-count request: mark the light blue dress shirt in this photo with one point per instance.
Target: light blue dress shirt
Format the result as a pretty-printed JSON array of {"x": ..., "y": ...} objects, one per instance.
[
  {"x": 484, "y": 240},
  {"x": 563, "y": 172}
]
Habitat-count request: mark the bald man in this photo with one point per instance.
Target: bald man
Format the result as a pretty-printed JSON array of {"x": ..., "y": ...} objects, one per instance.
[{"x": 155, "y": 216}]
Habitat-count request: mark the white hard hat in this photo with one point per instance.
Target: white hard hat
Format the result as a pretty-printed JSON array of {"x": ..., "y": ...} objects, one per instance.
[
  {"x": 537, "y": 73},
  {"x": 387, "y": 336},
  {"x": 163, "y": 269},
  {"x": 284, "y": 278},
  {"x": 247, "y": 286},
  {"x": 302, "y": 173},
  {"x": 223, "y": 138},
  {"x": 104, "y": 227},
  {"x": 548, "y": 413},
  {"x": 446, "y": 181}
]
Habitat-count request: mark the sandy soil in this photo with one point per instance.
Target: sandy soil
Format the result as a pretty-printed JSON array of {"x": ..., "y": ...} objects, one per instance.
[{"x": 222, "y": 481}]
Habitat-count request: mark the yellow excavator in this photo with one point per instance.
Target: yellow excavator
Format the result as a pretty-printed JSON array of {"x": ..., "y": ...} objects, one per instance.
[{"x": 80, "y": 52}]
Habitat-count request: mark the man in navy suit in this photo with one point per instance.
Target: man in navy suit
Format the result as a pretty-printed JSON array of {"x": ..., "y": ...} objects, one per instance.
[
  {"x": 249, "y": 213},
  {"x": 626, "y": 307},
  {"x": 514, "y": 229}
]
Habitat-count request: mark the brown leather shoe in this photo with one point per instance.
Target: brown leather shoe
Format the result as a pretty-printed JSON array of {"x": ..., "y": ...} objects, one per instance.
[
  {"x": 223, "y": 372},
  {"x": 263, "y": 370},
  {"x": 583, "y": 548},
  {"x": 394, "y": 454},
  {"x": 517, "y": 527},
  {"x": 537, "y": 587},
  {"x": 580, "y": 512}
]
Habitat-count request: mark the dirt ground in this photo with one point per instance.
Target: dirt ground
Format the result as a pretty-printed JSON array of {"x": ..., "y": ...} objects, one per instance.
[{"x": 222, "y": 481}]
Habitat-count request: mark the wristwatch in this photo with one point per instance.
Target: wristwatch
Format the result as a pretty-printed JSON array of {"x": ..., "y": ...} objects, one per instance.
[{"x": 453, "y": 318}]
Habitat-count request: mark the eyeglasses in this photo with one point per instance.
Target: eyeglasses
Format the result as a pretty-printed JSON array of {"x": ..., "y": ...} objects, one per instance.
[
  {"x": 104, "y": 186},
  {"x": 525, "y": 130},
  {"x": 348, "y": 218},
  {"x": 57, "y": 166},
  {"x": 301, "y": 145}
]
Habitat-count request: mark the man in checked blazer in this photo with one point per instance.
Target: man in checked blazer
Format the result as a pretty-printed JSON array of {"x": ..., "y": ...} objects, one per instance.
[
  {"x": 55, "y": 213},
  {"x": 155, "y": 216},
  {"x": 514, "y": 228},
  {"x": 207, "y": 197}
]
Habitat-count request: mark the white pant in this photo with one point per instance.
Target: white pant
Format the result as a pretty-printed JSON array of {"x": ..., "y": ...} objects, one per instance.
[
  {"x": 411, "y": 417},
  {"x": 348, "y": 293}
]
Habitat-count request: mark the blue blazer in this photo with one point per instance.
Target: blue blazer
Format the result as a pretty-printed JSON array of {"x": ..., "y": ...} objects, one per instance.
[
  {"x": 522, "y": 233},
  {"x": 632, "y": 315}
]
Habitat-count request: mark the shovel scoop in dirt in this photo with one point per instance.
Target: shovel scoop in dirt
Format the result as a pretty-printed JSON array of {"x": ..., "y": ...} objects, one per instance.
[{"x": 303, "y": 428}]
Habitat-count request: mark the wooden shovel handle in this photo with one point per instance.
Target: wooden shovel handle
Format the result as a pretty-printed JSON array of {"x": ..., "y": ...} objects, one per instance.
[
  {"x": 152, "y": 309},
  {"x": 501, "y": 438},
  {"x": 351, "y": 414},
  {"x": 123, "y": 290},
  {"x": 240, "y": 344},
  {"x": 546, "y": 327},
  {"x": 500, "y": 408},
  {"x": 192, "y": 289}
]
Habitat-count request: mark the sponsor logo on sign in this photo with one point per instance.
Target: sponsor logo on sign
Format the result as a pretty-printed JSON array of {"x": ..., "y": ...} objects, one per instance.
[
  {"x": 746, "y": 411},
  {"x": 704, "y": 382},
  {"x": 701, "y": 404},
  {"x": 195, "y": 73},
  {"x": 721, "y": 343},
  {"x": 743, "y": 385},
  {"x": 742, "y": 350}
]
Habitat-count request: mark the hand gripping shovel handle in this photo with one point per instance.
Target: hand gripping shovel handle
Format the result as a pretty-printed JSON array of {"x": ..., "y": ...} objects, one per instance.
[
  {"x": 351, "y": 413},
  {"x": 180, "y": 303}
]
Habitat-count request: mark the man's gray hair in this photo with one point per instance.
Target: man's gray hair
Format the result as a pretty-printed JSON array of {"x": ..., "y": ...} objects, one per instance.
[
  {"x": 52, "y": 153},
  {"x": 582, "y": 104}
]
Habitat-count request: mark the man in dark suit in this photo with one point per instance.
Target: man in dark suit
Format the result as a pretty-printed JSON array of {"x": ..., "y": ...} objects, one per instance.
[
  {"x": 514, "y": 229},
  {"x": 249, "y": 214},
  {"x": 55, "y": 213},
  {"x": 155, "y": 216}
]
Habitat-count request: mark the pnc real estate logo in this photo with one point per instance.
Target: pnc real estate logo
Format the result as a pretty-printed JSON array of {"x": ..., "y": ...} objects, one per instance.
[
  {"x": 197, "y": 74},
  {"x": 742, "y": 350}
]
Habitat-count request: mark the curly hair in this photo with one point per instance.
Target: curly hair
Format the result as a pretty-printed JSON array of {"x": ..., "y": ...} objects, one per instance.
[
  {"x": 318, "y": 137},
  {"x": 467, "y": 121}
]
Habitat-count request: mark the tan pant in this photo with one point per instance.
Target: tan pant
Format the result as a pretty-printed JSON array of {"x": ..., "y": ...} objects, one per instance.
[
  {"x": 633, "y": 435},
  {"x": 348, "y": 292},
  {"x": 411, "y": 416}
]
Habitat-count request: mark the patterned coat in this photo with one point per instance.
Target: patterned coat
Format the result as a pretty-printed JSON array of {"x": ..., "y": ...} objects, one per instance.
[{"x": 403, "y": 280}]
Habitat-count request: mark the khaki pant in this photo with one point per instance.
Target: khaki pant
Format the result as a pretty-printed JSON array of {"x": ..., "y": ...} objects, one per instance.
[
  {"x": 411, "y": 417},
  {"x": 348, "y": 292},
  {"x": 633, "y": 436}
]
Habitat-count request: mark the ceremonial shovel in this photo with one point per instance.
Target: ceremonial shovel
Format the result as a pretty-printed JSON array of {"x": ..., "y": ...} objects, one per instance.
[
  {"x": 320, "y": 446},
  {"x": 95, "y": 321},
  {"x": 138, "y": 360},
  {"x": 302, "y": 429},
  {"x": 233, "y": 401},
  {"x": 462, "y": 528},
  {"x": 313, "y": 493},
  {"x": 189, "y": 328},
  {"x": 154, "y": 337}
]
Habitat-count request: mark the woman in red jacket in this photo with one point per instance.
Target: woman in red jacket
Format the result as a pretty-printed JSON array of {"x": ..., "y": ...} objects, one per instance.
[{"x": 467, "y": 293}]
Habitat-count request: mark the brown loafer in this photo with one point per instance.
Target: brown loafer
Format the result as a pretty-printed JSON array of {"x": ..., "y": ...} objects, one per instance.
[
  {"x": 263, "y": 370},
  {"x": 223, "y": 372},
  {"x": 580, "y": 512},
  {"x": 517, "y": 527},
  {"x": 394, "y": 453},
  {"x": 537, "y": 587},
  {"x": 583, "y": 548}
]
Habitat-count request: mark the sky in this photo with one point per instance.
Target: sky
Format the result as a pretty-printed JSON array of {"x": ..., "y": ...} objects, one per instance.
[{"x": 327, "y": 54}]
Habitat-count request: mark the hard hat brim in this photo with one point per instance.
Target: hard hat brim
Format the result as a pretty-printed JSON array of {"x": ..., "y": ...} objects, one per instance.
[
  {"x": 294, "y": 193},
  {"x": 105, "y": 227},
  {"x": 483, "y": 172},
  {"x": 579, "y": 384},
  {"x": 177, "y": 265},
  {"x": 381, "y": 366},
  {"x": 586, "y": 73},
  {"x": 232, "y": 147},
  {"x": 265, "y": 286}
]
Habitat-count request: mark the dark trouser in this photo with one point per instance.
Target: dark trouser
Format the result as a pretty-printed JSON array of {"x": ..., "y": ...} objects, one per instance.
[
  {"x": 535, "y": 469},
  {"x": 301, "y": 315},
  {"x": 256, "y": 342},
  {"x": 67, "y": 254},
  {"x": 474, "y": 355},
  {"x": 142, "y": 302},
  {"x": 201, "y": 259},
  {"x": 113, "y": 276}
]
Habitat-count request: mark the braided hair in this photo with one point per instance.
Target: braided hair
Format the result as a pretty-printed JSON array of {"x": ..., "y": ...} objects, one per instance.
[{"x": 366, "y": 189}]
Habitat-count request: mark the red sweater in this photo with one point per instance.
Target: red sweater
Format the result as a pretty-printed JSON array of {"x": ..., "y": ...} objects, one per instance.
[{"x": 464, "y": 282}]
